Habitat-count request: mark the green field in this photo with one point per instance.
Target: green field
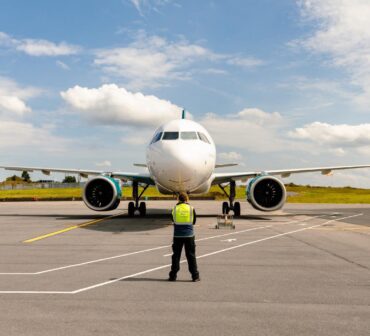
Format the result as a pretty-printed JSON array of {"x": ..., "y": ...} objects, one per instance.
[
  {"x": 302, "y": 194},
  {"x": 307, "y": 194}
]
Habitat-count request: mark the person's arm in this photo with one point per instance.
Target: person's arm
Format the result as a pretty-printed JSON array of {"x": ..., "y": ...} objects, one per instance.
[{"x": 194, "y": 217}]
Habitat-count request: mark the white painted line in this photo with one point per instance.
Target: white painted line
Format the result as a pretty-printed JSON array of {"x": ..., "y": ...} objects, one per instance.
[
  {"x": 148, "y": 250},
  {"x": 168, "y": 265},
  {"x": 168, "y": 255},
  {"x": 207, "y": 255},
  {"x": 229, "y": 240}
]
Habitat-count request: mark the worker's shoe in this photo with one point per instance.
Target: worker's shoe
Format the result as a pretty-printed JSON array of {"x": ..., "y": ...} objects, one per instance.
[
  {"x": 196, "y": 279},
  {"x": 172, "y": 279}
]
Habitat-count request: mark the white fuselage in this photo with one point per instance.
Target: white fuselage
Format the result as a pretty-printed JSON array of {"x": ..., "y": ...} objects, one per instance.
[{"x": 181, "y": 157}]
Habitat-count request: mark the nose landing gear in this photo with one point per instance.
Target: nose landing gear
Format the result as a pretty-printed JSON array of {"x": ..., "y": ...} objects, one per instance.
[
  {"x": 231, "y": 205},
  {"x": 137, "y": 205}
]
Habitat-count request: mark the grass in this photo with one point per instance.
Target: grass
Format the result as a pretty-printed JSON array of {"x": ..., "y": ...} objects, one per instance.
[
  {"x": 302, "y": 194},
  {"x": 307, "y": 194}
]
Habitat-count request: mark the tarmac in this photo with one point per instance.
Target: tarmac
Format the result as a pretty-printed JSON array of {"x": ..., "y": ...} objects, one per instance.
[{"x": 66, "y": 270}]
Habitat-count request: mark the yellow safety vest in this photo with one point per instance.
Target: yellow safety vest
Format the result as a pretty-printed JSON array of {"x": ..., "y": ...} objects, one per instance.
[
  {"x": 183, "y": 219},
  {"x": 182, "y": 214}
]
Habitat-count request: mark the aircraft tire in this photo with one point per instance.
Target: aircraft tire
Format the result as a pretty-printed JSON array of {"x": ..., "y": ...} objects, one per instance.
[
  {"x": 131, "y": 209},
  {"x": 237, "y": 209},
  {"x": 142, "y": 209}
]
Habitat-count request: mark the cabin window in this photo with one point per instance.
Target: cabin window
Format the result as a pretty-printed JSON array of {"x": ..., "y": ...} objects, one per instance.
[
  {"x": 189, "y": 136},
  {"x": 156, "y": 138},
  {"x": 170, "y": 135},
  {"x": 203, "y": 137}
]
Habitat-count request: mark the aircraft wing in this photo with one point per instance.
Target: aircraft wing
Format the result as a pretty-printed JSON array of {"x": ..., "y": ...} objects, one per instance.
[
  {"x": 227, "y": 177},
  {"x": 139, "y": 177}
]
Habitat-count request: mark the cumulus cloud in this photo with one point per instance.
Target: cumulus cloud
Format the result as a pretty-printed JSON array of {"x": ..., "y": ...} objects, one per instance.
[
  {"x": 257, "y": 116},
  {"x": 338, "y": 137},
  {"x": 152, "y": 61},
  {"x": 230, "y": 156},
  {"x": 251, "y": 129},
  {"x": 113, "y": 105},
  {"x": 13, "y": 97},
  {"x": 341, "y": 34},
  {"x": 24, "y": 135},
  {"x": 136, "y": 140},
  {"x": 38, "y": 47},
  {"x": 348, "y": 135}
]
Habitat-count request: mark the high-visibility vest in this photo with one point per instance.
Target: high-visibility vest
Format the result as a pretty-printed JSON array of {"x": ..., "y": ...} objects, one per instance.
[{"x": 183, "y": 219}]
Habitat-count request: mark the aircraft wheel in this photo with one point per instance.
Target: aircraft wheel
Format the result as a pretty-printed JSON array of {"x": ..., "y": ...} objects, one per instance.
[
  {"x": 236, "y": 209},
  {"x": 131, "y": 209},
  {"x": 225, "y": 208},
  {"x": 142, "y": 209}
]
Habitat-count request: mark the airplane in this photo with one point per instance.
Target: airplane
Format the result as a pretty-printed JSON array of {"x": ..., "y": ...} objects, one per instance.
[{"x": 181, "y": 157}]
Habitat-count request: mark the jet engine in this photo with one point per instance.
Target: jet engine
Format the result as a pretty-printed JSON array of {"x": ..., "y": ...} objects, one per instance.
[
  {"x": 102, "y": 193},
  {"x": 266, "y": 193}
]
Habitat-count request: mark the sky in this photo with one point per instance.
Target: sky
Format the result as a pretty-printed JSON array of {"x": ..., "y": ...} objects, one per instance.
[{"x": 278, "y": 84}]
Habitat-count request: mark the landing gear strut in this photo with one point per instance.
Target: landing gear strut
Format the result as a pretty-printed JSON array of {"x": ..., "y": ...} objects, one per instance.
[
  {"x": 231, "y": 205},
  {"x": 137, "y": 205}
]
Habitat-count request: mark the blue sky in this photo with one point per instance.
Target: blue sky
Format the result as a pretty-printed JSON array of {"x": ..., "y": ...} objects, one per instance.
[{"x": 279, "y": 84}]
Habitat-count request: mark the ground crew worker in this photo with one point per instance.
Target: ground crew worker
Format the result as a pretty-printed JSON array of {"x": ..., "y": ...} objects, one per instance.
[{"x": 183, "y": 217}]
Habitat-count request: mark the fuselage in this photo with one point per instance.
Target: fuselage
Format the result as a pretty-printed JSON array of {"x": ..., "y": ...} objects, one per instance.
[{"x": 181, "y": 157}]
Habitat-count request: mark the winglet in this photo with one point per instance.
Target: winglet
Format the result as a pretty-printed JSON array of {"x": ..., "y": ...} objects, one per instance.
[{"x": 183, "y": 114}]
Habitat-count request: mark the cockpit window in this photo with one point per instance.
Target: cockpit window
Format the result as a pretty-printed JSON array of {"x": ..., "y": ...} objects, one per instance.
[
  {"x": 156, "y": 138},
  {"x": 203, "y": 137},
  {"x": 189, "y": 136},
  {"x": 170, "y": 135}
]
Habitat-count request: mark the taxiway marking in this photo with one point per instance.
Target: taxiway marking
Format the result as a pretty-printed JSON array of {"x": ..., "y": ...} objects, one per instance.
[
  {"x": 71, "y": 228},
  {"x": 84, "y": 289},
  {"x": 152, "y": 249}
]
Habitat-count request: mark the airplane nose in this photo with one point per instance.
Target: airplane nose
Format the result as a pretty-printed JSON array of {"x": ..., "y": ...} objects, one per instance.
[{"x": 181, "y": 166}]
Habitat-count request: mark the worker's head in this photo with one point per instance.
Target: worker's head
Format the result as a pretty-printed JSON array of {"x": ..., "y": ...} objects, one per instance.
[{"x": 183, "y": 197}]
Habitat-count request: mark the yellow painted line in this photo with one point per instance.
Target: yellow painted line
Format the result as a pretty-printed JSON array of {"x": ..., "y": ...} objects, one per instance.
[{"x": 70, "y": 228}]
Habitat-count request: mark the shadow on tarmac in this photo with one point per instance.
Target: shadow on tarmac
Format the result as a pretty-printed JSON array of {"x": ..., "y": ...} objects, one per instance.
[{"x": 153, "y": 280}]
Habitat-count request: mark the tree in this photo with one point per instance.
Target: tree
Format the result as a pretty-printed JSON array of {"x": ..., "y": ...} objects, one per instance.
[
  {"x": 69, "y": 179},
  {"x": 14, "y": 178},
  {"x": 26, "y": 177}
]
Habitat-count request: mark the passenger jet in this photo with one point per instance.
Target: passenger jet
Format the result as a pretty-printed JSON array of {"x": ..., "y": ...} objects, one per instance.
[{"x": 181, "y": 157}]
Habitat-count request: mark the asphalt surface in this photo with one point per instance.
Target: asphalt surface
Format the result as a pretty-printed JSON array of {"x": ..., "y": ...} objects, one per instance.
[{"x": 304, "y": 271}]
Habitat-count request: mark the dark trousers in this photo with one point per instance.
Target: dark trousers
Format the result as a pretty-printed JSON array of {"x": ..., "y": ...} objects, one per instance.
[{"x": 177, "y": 245}]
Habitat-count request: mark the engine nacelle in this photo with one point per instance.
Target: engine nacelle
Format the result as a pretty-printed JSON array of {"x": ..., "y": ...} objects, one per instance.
[
  {"x": 102, "y": 193},
  {"x": 266, "y": 193}
]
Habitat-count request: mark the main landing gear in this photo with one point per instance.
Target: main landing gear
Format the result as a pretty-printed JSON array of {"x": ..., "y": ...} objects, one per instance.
[
  {"x": 231, "y": 205},
  {"x": 137, "y": 205}
]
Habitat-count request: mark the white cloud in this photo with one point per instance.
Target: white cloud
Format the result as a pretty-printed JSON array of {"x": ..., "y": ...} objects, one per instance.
[
  {"x": 257, "y": 116},
  {"x": 342, "y": 34},
  {"x": 245, "y": 62},
  {"x": 136, "y": 140},
  {"x": 338, "y": 137},
  {"x": 38, "y": 47},
  {"x": 18, "y": 135},
  {"x": 149, "y": 5},
  {"x": 152, "y": 61},
  {"x": 104, "y": 163},
  {"x": 13, "y": 97},
  {"x": 112, "y": 105},
  {"x": 250, "y": 129},
  {"x": 62, "y": 65},
  {"x": 230, "y": 156}
]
